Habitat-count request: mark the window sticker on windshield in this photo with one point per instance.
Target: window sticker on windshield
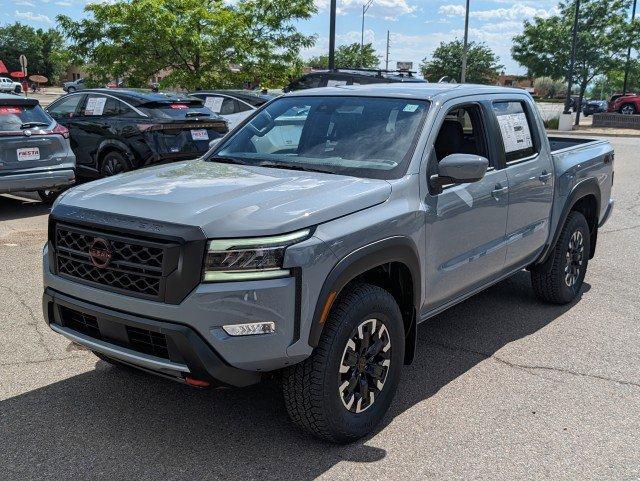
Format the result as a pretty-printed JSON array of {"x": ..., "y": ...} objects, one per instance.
[
  {"x": 336, "y": 83},
  {"x": 515, "y": 132},
  {"x": 95, "y": 105},
  {"x": 410, "y": 108},
  {"x": 214, "y": 104}
]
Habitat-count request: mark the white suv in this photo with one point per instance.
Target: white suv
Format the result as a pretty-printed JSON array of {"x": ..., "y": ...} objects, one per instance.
[{"x": 8, "y": 85}]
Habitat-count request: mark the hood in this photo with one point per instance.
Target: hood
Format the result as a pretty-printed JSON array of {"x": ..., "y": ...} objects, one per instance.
[{"x": 229, "y": 200}]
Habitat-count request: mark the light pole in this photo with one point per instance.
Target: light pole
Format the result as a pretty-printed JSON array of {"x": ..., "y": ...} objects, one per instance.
[
  {"x": 572, "y": 61},
  {"x": 626, "y": 67},
  {"x": 332, "y": 35},
  {"x": 463, "y": 73},
  {"x": 365, "y": 7}
]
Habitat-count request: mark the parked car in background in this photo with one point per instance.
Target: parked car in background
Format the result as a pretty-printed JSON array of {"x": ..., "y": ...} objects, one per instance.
[
  {"x": 333, "y": 78},
  {"x": 594, "y": 106},
  {"x": 116, "y": 130},
  {"x": 311, "y": 241},
  {"x": 628, "y": 104},
  {"x": 233, "y": 105},
  {"x": 7, "y": 85},
  {"x": 35, "y": 154},
  {"x": 74, "y": 86}
]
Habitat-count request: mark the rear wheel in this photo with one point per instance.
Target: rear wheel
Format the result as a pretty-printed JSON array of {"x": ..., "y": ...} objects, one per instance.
[
  {"x": 49, "y": 195},
  {"x": 342, "y": 391},
  {"x": 113, "y": 163},
  {"x": 628, "y": 109},
  {"x": 559, "y": 279},
  {"x": 70, "y": 90}
]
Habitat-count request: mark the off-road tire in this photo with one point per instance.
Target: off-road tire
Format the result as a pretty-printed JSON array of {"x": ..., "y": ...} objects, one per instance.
[
  {"x": 310, "y": 388},
  {"x": 548, "y": 278}
]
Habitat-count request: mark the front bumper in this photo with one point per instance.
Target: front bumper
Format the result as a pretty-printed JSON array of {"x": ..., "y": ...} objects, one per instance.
[
  {"x": 40, "y": 180},
  {"x": 175, "y": 350}
]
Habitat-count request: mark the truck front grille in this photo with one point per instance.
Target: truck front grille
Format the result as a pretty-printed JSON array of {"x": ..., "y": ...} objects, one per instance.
[{"x": 123, "y": 264}]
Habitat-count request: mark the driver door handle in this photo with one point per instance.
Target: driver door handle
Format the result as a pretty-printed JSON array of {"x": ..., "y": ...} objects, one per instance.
[
  {"x": 544, "y": 177},
  {"x": 498, "y": 191}
]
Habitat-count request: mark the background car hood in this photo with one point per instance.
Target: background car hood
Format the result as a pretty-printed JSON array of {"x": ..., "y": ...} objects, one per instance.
[{"x": 229, "y": 200}]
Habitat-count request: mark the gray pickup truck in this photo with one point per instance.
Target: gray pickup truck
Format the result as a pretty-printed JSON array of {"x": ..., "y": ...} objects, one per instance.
[{"x": 315, "y": 236}]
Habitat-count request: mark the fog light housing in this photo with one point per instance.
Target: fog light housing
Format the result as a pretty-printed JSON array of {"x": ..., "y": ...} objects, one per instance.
[{"x": 250, "y": 329}]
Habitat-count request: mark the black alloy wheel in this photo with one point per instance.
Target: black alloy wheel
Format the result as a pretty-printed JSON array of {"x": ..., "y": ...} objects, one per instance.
[{"x": 113, "y": 163}]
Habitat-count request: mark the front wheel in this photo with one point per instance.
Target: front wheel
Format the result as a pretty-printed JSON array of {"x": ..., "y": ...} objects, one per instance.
[
  {"x": 559, "y": 279},
  {"x": 343, "y": 390},
  {"x": 628, "y": 109}
]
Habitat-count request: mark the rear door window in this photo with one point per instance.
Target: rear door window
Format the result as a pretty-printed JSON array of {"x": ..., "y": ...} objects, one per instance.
[
  {"x": 66, "y": 107},
  {"x": 100, "y": 106},
  {"x": 516, "y": 129},
  {"x": 14, "y": 117}
]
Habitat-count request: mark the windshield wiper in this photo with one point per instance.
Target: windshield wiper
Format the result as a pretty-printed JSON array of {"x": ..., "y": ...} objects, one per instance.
[
  {"x": 28, "y": 125},
  {"x": 279, "y": 165}
]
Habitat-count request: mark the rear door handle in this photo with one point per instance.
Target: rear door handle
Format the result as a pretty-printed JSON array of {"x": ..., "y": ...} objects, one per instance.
[
  {"x": 498, "y": 191},
  {"x": 544, "y": 177}
]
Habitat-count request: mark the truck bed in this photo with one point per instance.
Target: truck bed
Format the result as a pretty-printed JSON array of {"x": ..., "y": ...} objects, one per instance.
[{"x": 559, "y": 143}]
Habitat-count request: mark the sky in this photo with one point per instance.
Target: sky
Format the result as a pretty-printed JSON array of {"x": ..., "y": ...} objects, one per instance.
[{"x": 417, "y": 26}]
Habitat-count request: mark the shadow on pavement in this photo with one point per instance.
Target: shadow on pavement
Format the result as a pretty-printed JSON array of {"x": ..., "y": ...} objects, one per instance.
[
  {"x": 20, "y": 206},
  {"x": 114, "y": 424}
]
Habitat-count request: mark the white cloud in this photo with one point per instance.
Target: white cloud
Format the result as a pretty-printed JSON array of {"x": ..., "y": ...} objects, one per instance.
[
  {"x": 24, "y": 3},
  {"x": 387, "y": 9},
  {"x": 34, "y": 17},
  {"x": 63, "y": 4},
  {"x": 518, "y": 11}
]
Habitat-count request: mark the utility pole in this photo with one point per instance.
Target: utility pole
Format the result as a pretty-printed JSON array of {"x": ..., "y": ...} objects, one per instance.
[
  {"x": 463, "y": 73},
  {"x": 386, "y": 62},
  {"x": 365, "y": 7},
  {"x": 626, "y": 67},
  {"x": 572, "y": 61},
  {"x": 332, "y": 35}
]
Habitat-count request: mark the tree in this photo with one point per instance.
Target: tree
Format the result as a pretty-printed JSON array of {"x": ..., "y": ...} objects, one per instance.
[
  {"x": 208, "y": 44},
  {"x": 604, "y": 31},
  {"x": 348, "y": 56},
  {"x": 606, "y": 85},
  {"x": 548, "y": 88},
  {"x": 45, "y": 50},
  {"x": 482, "y": 63}
]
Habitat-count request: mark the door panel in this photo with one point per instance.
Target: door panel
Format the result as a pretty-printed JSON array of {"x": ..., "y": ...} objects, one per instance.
[{"x": 465, "y": 231}]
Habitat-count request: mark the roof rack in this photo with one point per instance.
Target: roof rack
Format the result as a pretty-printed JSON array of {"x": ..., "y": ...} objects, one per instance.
[{"x": 379, "y": 71}]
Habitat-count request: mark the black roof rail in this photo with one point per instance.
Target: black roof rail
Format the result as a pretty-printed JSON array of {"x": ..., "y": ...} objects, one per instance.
[{"x": 379, "y": 71}]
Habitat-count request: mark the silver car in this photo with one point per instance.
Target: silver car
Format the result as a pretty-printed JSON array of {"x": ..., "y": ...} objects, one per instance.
[{"x": 35, "y": 153}]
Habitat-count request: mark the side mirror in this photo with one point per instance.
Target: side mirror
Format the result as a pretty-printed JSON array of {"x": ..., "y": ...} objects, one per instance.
[{"x": 459, "y": 169}]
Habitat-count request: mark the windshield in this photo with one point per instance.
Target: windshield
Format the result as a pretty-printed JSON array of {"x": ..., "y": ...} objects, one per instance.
[
  {"x": 358, "y": 136},
  {"x": 17, "y": 117}
]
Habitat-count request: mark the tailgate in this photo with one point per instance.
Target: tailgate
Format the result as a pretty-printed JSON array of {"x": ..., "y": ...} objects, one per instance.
[
  {"x": 183, "y": 138},
  {"x": 22, "y": 152}
]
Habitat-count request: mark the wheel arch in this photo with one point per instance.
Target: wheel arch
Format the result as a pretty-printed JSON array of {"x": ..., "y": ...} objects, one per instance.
[
  {"x": 392, "y": 264},
  {"x": 585, "y": 197},
  {"x": 114, "y": 145}
]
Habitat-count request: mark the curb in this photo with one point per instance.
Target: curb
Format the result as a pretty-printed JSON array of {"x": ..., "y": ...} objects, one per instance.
[{"x": 586, "y": 133}]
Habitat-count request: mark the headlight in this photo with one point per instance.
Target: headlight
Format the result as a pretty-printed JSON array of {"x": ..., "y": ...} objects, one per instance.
[{"x": 249, "y": 259}]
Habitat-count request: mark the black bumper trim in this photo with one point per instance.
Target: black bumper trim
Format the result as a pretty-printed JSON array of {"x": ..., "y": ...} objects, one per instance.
[{"x": 203, "y": 362}]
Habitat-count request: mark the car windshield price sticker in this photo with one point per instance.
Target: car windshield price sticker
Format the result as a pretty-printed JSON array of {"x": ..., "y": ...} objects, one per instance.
[
  {"x": 515, "y": 132},
  {"x": 199, "y": 135},
  {"x": 214, "y": 104},
  {"x": 336, "y": 83},
  {"x": 95, "y": 105}
]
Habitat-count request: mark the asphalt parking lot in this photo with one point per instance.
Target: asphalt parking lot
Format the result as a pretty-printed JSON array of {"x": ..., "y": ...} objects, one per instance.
[{"x": 503, "y": 387}]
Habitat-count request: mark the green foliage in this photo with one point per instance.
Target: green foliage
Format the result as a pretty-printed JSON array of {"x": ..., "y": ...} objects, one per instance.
[
  {"x": 552, "y": 123},
  {"x": 482, "y": 63},
  {"x": 45, "y": 50},
  {"x": 612, "y": 82},
  {"x": 348, "y": 56},
  {"x": 546, "y": 87},
  {"x": 604, "y": 31},
  {"x": 208, "y": 44}
]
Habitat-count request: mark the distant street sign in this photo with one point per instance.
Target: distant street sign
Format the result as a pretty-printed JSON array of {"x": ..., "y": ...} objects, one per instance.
[
  {"x": 404, "y": 65},
  {"x": 23, "y": 61}
]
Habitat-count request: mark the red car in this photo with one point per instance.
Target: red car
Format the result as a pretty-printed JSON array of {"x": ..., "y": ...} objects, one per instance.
[{"x": 628, "y": 104}]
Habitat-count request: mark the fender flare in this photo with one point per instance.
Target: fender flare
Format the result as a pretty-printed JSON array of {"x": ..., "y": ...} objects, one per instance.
[
  {"x": 580, "y": 190},
  {"x": 114, "y": 144},
  {"x": 393, "y": 249}
]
